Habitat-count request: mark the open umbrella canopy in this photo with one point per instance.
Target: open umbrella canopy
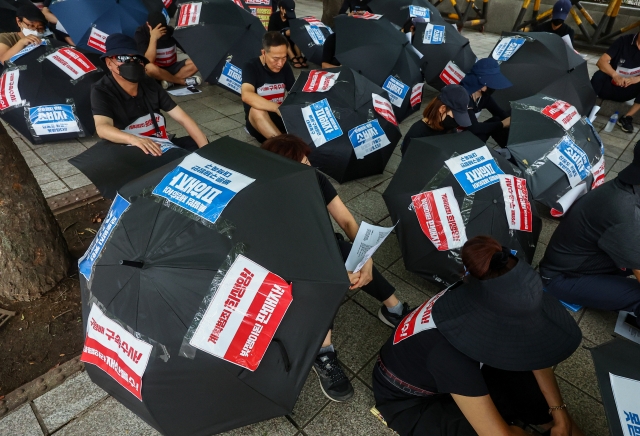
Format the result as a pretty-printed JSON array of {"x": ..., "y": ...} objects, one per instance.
[
  {"x": 381, "y": 53},
  {"x": 399, "y": 11},
  {"x": 558, "y": 150},
  {"x": 8, "y": 14},
  {"x": 90, "y": 22},
  {"x": 447, "y": 54},
  {"x": 232, "y": 221},
  {"x": 448, "y": 189},
  {"x": 171, "y": 6},
  {"x": 220, "y": 37},
  {"x": 542, "y": 62},
  {"x": 52, "y": 98},
  {"x": 346, "y": 120},
  {"x": 309, "y": 34}
]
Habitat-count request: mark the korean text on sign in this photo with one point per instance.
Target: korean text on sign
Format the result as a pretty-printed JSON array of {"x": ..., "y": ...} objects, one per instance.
[
  {"x": 507, "y": 47},
  {"x": 419, "y": 12},
  {"x": 189, "y": 14},
  {"x": 516, "y": 202},
  {"x": 384, "y": 108},
  {"x": 117, "y": 352},
  {"x": 28, "y": 49},
  {"x": 315, "y": 33},
  {"x": 475, "y": 169},
  {"x": 367, "y": 138},
  {"x": 231, "y": 77},
  {"x": 321, "y": 123},
  {"x": 452, "y": 75},
  {"x": 244, "y": 314},
  {"x": 72, "y": 62},
  {"x": 396, "y": 90},
  {"x": 562, "y": 113},
  {"x": 417, "y": 321},
  {"x": 625, "y": 392},
  {"x": 53, "y": 119},
  {"x": 571, "y": 159},
  {"x": 144, "y": 126},
  {"x": 201, "y": 187},
  {"x": 320, "y": 81},
  {"x": 433, "y": 34},
  {"x": 97, "y": 40},
  {"x": 439, "y": 217},
  {"x": 9, "y": 92}
]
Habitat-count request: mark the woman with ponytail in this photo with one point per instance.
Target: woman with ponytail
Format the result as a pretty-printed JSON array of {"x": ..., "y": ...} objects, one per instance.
[{"x": 478, "y": 356}]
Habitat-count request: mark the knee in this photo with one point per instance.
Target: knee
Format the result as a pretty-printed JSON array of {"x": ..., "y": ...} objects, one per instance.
[
  {"x": 152, "y": 70},
  {"x": 257, "y": 115}
]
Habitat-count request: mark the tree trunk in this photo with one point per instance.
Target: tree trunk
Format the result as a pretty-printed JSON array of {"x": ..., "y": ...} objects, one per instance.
[
  {"x": 330, "y": 9},
  {"x": 33, "y": 252}
]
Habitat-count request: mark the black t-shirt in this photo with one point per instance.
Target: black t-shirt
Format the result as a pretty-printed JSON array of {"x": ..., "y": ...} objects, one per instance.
[
  {"x": 110, "y": 100},
  {"x": 165, "y": 46},
  {"x": 561, "y": 31},
  {"x": 487, "y": 127},
  {"x": 328, "y": 191},
  {"x": 419, "y": 129},
  {"x": 354, "y": 6},
  {"x": 625, "y": 53},
  {"x": 599, "y": 235},
  {"x": 329, "y": 50},
  {"x": 268, "y": 84},
  {"x": 276, "y": 24},
  {"x": 428, "y": 361}
]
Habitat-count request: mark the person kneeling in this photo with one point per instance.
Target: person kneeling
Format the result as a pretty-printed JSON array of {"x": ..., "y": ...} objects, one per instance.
[{"x": 265, "y": 80}]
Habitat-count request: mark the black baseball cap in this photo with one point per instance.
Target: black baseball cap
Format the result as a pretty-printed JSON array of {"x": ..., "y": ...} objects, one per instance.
[
  {"x": 119, "y": 44},
  {"x": 456, "y": 98},
  {"x": 289, "y": 8},
  {"x": 631, "y": 174},
  {"x": 31, "y": 13}
]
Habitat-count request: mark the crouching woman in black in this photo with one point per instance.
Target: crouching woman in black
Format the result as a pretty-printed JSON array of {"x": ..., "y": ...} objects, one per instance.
[{"x": 477, "y": 357}]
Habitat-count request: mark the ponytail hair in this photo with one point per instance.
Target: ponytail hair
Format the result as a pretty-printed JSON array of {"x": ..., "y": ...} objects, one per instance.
[{"x": 485, "y": 258}]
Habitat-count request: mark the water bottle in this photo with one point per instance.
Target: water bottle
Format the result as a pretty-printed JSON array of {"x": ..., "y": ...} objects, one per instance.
[{"x": 612, "y": 122}]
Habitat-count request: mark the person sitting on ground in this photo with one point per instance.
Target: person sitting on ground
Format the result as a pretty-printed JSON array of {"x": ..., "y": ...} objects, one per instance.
[
  {"x": 32, "y": 24},
  {"x": 557, "y": 25},
  {"x": 54, "y": 25},
  {"x": 279, "y": 22},
  {"x": 265, "y": 80},
  {"x": 480, "y": 82},
  {"x": 126, "y": 103},
  {"x": 333, "y": 381},
  {"x": 597, "y": 246},
  {"x": 351, "y": 7},
  {"x": 444, "y": 114},
  {"x": 429, "y": 379},
  {"x": 155, "y": 39},
  {"x": 618, "y": 77}
]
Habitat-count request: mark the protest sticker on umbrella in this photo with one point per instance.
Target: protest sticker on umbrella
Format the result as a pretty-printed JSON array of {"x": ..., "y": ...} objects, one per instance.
[
  {"x": 384, "y": 108},
  {"x": 418, "y": 320},
  {"x": 396, "y": 89},
  {"x": 367, "y": 138},
  {"x": 598, "y": 173},
  {"x": 562, "y": 113},
  {"x": 571, "y": 159},
  {"x": 114, "y": 350},
  {"x": 165, "y": 144},
  {"x": 320, "y": 81},
  {"x": 367, "y": 16},
  {"x": 419, "y": 12},
  {"x": 315, "y": 33},
  {"x": 625, "y": 394},
  {"x": 72, "y": 62},
  {"x": 9, "y": 92},
  {"x": 28, "y": 49},
  {"x": 97, "y": 40},
  {"x": 189, "y": 14},
  {"x": 243, "y": 315},
  {"x": 88, "y": 260},
  {"x": 516, "y": 202},
  {"x": 231, "y": 77},
  {"x": 416, "y": 94},
  {"x": 144, "y": 126},
  {"x": 439, "y": 217},
  {"x": 452, "y": 75},
  {"x": 507, "y": 47},
  {"x": 475, "y": 169},
  {"x": 321, "y": 123},
  {"x": 315, "y": 22},
  {"x": 433, "y": 34},
  {"x": 368, "y": 240},
  {"x": 201, "y": 187},
  {"x": 53, "y": 119}
]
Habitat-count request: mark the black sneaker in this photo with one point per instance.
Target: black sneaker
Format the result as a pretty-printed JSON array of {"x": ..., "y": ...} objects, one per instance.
[
  {"x": 626, "y": 124},
  {"x": 333, "y": 381},
  {"x": 391, "y": 319}
]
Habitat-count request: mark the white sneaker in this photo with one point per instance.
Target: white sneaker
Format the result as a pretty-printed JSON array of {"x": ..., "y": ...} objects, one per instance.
[
  {"x": 193, "y": 81},
  {"x": 630, "y": 102},
  {"x": 165, "y": 84}
]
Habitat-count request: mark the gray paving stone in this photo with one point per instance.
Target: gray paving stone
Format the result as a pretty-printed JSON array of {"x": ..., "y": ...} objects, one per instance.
[
  {"x": 613, "y": 141},
  {"x": 63, "y": 168},
  {"x": 539, "y": 254},
  {"x": 22, "y": 145},
  {"x": 418, "y": 282},
  {"x": 43, "y": 174},
  {"x": 223, "y": 105},
  {"x": 241, "y": 135},
  {"x": 204, "y": 115},
  {"x": 54, "y": 152},
  {"x": 579, "y": 370},
  {"x": 597, "y": 325},
  {"x": 310, "y": 401},
  {"x": 393, "y": 163},
  {"x": 587, "y": 412},
  {"x": 348, "y": 190},
  {"x": 404, "y": 292},
  {"x": 389, "y": 252},
  {"x": 372, "y": 181},
  {"x": 53, "y": 188},
  {"x": 223, "y": 124},
  {"x": 31, "y": 158},
  {"x": 21, "y": 422},
  {"x": 274, "y": 427},
  {"x": 77, "y": 181},
  {"x": 371, "y": 205},
  {"x": 62, "y": 404},
  {"x": 619, "y": 166}
]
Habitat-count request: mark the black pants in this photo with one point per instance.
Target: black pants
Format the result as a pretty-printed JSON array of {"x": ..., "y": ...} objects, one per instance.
[
  {"x": 515, "y": 394},
  {"x": 501, "y": 135},
  {"x": 277, "y": 120},
  {"x": 604, "y": 89},
  {"x": 186, "y": 142},
  {"x": 379, "y": 288}
]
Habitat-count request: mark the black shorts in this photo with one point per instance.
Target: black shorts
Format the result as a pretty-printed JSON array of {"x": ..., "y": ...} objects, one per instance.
[
  {"x": 175, "y": 67},
  {"x": 277, "y": 120}
]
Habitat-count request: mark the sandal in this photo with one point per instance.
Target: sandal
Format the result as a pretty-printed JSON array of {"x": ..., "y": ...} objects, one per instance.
[
  {"x": 295, "y": 61},
  {"x": 303, "y": 61}
]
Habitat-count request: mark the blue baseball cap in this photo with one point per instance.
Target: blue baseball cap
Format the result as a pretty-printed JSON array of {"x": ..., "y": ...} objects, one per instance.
[
  {"x": 119, "y": 44},
  {"x": 561, "y": 10},
  {"x": 485, "y": 72},
  {"x": 456, "y": 98}
]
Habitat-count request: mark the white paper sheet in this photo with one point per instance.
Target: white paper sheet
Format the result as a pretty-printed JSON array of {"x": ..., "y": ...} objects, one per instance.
[
  {"x": 179, "y": 92},
  {"x": 626, "y": 392},
  {"x": 627, "y": 330},
  {"x": 368, "y": 239}
]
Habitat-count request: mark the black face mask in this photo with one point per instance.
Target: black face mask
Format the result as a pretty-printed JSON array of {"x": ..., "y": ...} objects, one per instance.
[
  {"x": 131, "y": 71},
  {"x": 557, "y": 22},
  {"x": 449, "y": 123}
]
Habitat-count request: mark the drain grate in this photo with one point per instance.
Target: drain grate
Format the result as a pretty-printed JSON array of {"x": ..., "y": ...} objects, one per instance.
[{"x": 5, "y": 315}]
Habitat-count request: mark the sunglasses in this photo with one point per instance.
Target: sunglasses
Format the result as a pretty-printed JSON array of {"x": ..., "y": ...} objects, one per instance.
[{"x": 128, "y": 58}]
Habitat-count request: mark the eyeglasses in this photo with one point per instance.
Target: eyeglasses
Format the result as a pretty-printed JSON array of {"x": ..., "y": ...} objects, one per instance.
[
  {"x": 38, "y": 27},
  {"x": 128, "y": 58}
]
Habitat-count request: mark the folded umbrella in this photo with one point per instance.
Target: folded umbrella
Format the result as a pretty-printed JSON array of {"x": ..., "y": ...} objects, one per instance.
[
  {"x": 220, "y": 38},
  {"x": 309, "y": 34},
  {"x": 453, "y": 209},
  {"x": 345, "y": 118},
  {"x": 447, "y": 54},
  {"x": 558, "y": 150},
  {"x": 229, "y": 221},
  {"x": 90, "y": 22},
  {"x": 542, "y": 62},
  {"x": 52, "y": 98},
  {"x": 376, "y": 49},
  {"x": 399, "y": 11}
]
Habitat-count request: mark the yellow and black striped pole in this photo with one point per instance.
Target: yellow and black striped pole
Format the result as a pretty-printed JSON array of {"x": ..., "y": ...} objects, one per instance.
[
  {"x": 580, "y": 24},
  {"x": 619, "y": 32},
  {"x": 585, "y": 14},
  {"x": 604, "y": 20},
  {"x": 518, "y": 24}
]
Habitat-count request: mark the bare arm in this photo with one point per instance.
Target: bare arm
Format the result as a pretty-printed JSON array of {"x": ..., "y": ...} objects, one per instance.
[
  {"x": 328, "y": 65},
  {"x": 636, "y": 273},
  {"x": 154, "y": 34},
  {"x": 605, "y": 66},
  {"x": 189, "y": 125},
  {"x": 484, "y": 417},
  {"x": 49, "y": 16},
  {"x": 106, "y": 130},
  {"x": 562, "y": 422},
  {"x": 7, "y": 52},
  {"x": 343, "y": 217},
  {"x": 251, "y": 97}
]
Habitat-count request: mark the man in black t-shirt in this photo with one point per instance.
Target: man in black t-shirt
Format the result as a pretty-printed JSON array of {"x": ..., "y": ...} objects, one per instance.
[
  {"x": 155, "y": 39},
  {"x": 597, "y": 246},
  {"x": 265, "y": 80},
  {"x": 557, "y": 25},
  {"x": 619, "y": 76},
  {"x": 123, "y": 102}
]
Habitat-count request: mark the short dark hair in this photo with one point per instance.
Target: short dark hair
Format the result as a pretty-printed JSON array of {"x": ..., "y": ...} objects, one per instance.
[
  {"x": 273, "y": 39},
  {"x": 289, "y": 146}
]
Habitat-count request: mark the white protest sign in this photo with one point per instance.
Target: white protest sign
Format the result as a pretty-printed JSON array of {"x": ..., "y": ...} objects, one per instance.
[
  {"x": 416, "y": 94},
  {"x": 627, "y": 326},
  {"x": 368, "y": 240},
  {"x": 273, "y": 92},
  {"x": 320, "y": 81},
  {"x": 384, "y": 108},
  {"x": 439, "y": 217},
  {"x": 165, "y": 57},
  {"x": 507, "y": 47},
  {"x": 434, "y": 34},
  {"x": 367, "y": 138},
  {"x": 419, "y": 12},
  {"x": 231, "y": 77},
  {"x": 164, "y": 144},
  {"x": 571, "y": 159},
  {"x": 475, "y": 169},
  {"x": 396, "y": 89},
  {"x": 626, "y": 393},
  {"x": 315, "y": 33},
  {"x": 28, "y": 49},
  {"x": 367, "y": 16},
  {"x": 628, "y": 72},
  {"x": 516, "y": 203},
  {"x": 568, "y": 199},
  {"x": 598, "y": 173},
  {"x": 452, "y": 75},
  {"x": 97, "y": 40},
  {"x": 321, "y": 123},
  {"x": 189, "y": 14},
  {"x": 418, "y": 320},
  {"x": 144, "y": 126},
  {"x": 72, "y": 62},
  {"x": 53, "y": 119},
  {"x": 562, "y": 113},
  {"x": 9, "y": 92}
]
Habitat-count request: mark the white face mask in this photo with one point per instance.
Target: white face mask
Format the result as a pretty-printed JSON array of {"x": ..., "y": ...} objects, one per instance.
[{"x": 28, "y": 32}]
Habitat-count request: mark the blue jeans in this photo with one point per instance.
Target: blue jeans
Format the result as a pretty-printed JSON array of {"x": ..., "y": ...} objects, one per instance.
[{"x": 600, "y": 291}]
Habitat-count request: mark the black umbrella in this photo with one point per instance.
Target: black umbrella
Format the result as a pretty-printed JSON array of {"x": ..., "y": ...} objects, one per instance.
[
  {"x": 220, "y": 38},
  {"x": 309, "y": 35},
  {"x": 423, "y": 169},
  {"x": 616, "y": 365},
  {"x": 382, "y": 54},
  {"x": 157, "y": 269},
  {"x": 446, "y": 58},
  {"x": 361, "y": 133},
  {"x": 537, "y": 139},
  {"x": 110, "y": 166},
  {"x": 54, "y": 85},
  {"x": 399, "y": 11},
  {"x": 157, "y": 5},
  {"x": 8, "y": 14},
  {"x": 544, "y": 64}
]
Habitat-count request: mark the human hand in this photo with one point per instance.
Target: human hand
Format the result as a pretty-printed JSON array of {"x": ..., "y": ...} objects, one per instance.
[
  {"x": 353, "y": 279},
  {"x": 157, "y": 32},
  {"x": 287, "y": 32},
  {"x": 561, "y": 423},
  {"x": 618, "y": 80},
  {"x": 30, "y": 39},
  {"x": 147, "y": 145},
  {"x": 366, "y": 275},
  {"x": 506, "y": 122}
]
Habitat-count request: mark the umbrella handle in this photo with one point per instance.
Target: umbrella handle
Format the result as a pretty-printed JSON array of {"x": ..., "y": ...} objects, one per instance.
[{"x": 285, "y": 355}]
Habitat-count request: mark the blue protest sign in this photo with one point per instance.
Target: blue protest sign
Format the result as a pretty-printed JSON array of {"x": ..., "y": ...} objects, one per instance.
[
  {"x": 231, "y": 77},
  {"x": 367, "y": 138},
  {"x": 475, "y": 169},
  {"x": 321, "y": 123},
  {"x": 28, "y": 49},
  {"x": 396, "y": 89},
  {"x": 433, "y": 34},
  {"x": 315, "y": 33},
  {"x": 53, "y": 119},
  {"x": 419, "y": 12},
  {"x": 571, "y": 159},
  {"x": 507, "y": 48}
]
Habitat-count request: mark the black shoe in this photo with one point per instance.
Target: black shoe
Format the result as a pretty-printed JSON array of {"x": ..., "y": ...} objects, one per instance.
[
  {"x": 626, "y": 124},
  {"x": 333, "y": 381},
  {"x": 391, "y": 319}
]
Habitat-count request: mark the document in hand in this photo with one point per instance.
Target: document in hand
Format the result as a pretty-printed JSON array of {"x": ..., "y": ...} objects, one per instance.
[{"x": 368, "y": 239}]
